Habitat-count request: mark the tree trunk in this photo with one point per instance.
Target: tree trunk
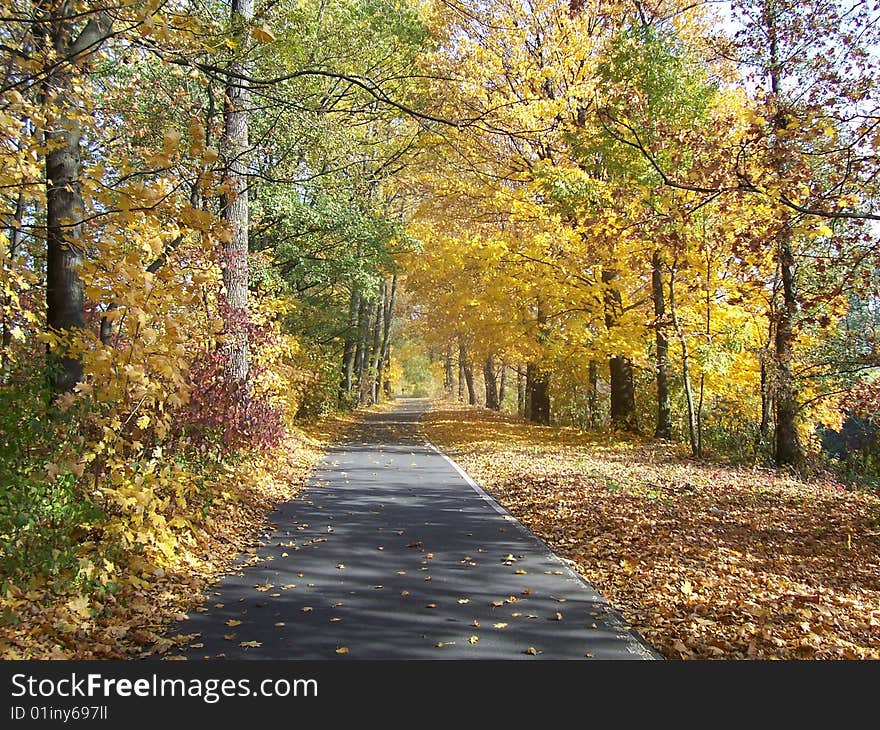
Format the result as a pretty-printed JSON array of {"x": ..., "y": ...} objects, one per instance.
[
  {"x": 788, "y": 447},
  {"x": 364, "y": 348},
  {"x": 622, "y": 394},
  {"x": 363, "y": 326},
  {"x": 235, "y": 210},
  {"x": 537, "y": 395},
  {"x": 686, "y": 370},
  {"x": 64, "y": 213},
  {"x": 468, "y": 372},
  {"x": 593, "y": 394},
  {"x": 382, "y": 384},
  {"x": 491, "y": 383},
  {"x": 502, "y": 385},
  {"x": 372, "y": 384},
  {"x": 623, "y": 391},
  {"x": 763, "y": 438},
  {"x": 64, "y": 201},
  {"x": 460, "y": 376},
  {"x": 664, "y": 407},
  {"x": 350, "y": 344},
  {"x": 520, "y": 391},
  {"x": 448, "y": 376}
]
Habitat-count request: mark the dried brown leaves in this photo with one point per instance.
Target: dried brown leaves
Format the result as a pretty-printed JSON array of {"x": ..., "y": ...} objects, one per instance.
[{"x": 705, "y": 560}]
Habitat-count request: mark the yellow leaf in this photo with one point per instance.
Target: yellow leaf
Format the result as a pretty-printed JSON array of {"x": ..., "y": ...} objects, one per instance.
[
  {"x": 79, "y": 605},
  {"x": 342, "y": 650},
  {"x": 170, "y": 140},
  {"x": 233, "y": 622},
  {"x": 263, "y": 34},
  {"x": 250, "y": 644},
  {"x": 473, "y": 639}
]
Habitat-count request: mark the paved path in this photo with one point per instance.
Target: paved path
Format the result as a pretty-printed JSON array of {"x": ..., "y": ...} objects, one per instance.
[{"x": 393, "y": 553}]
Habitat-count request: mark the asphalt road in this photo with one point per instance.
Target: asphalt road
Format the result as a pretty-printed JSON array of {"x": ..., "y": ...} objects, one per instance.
[{"x": 393, "y": 553}]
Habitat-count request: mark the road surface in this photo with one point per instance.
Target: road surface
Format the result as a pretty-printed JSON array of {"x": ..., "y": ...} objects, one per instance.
[{"x": 392, "y": 552}]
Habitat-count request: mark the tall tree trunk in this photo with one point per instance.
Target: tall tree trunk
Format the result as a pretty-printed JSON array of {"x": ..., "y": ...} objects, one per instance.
[
  {"x": 363, "y": 350},
  {"x": 64, "y": 201},
  {"x": 520, "y": 391},
  {"x": 382, "y": 384},
  {"x": 372, "y": 384},
  {"x": 460, "y": 376},
  {"x": 538, "y": 379},
  {"x": 537, "y": 395},
  {"x": 64, "y": 213},
  {"x": 360, "y": 343},
  {"x": 767, "y": 400},
  {"x": 491, "y": 382},
  {"x": 467, "y": 371},
  {"x": 350, "y": 343},
  {"x": 593, "y": 394},
  {"x": 788, "y": 447},
  {"x": 235, "y": 210},
  {"x": 502, "y": 385},
  {"x": 664, "y": 407},
  {"x": 448, "y": 376},
  {"x": 623, "y": 390},
  {"x": 685, "y": 370}
]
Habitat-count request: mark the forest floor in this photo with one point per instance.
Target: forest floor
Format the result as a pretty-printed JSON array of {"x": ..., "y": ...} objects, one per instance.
[
  {"x": 704, "y": 560},
  {"x": 133, "y": 623}
]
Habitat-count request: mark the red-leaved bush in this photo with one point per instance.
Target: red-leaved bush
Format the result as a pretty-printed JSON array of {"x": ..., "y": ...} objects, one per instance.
[{"x": 223, "y": 413}]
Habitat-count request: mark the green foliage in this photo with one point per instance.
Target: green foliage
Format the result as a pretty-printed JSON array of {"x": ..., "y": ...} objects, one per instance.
[
  {"x": 43, "y": 517},
  {"x": 418, "y": 380},
  {"x": 321, "y": 392}
]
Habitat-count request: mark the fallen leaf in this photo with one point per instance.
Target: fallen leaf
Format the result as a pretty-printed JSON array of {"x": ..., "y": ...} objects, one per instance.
[
  {"x": 250, "y": 644},
  {"x": 342, "y": 650}
]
